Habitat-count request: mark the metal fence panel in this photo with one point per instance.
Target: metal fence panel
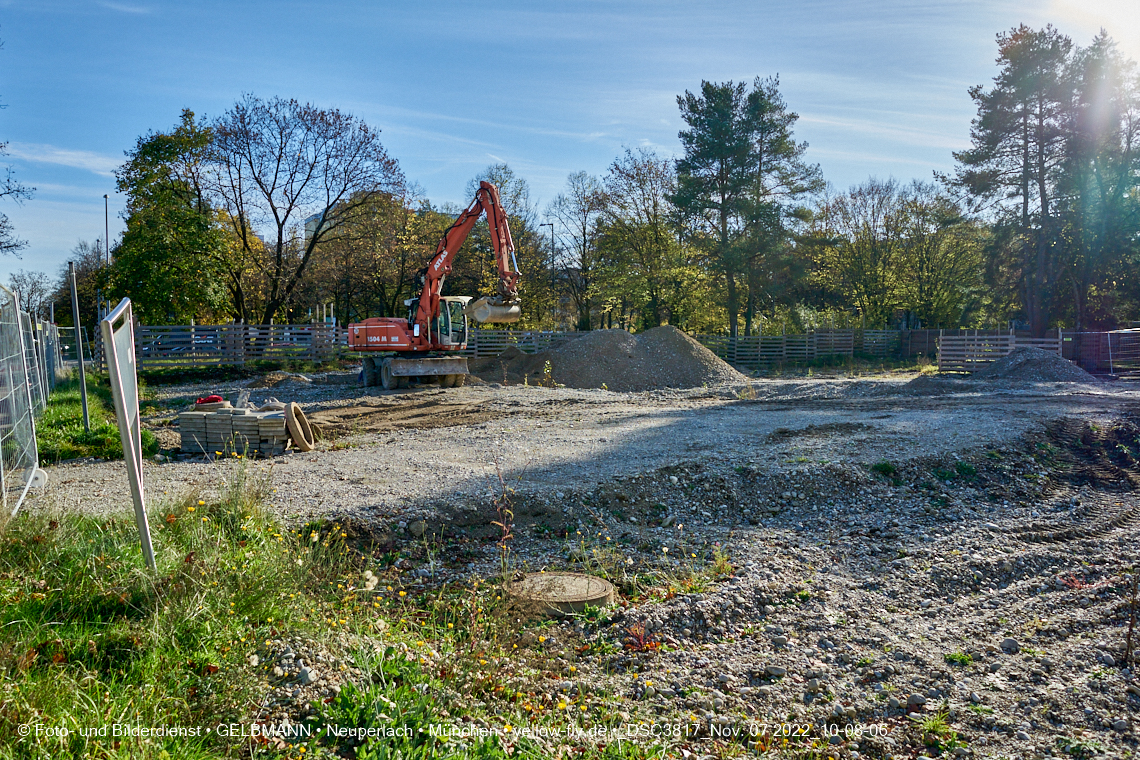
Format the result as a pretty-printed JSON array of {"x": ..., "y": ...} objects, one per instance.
[
  {"x": 52, "y": 355},
  {"x": 36, "y": 386},
  {"x": 19, "y": 456},
  {"x": 117, "y": 331}
]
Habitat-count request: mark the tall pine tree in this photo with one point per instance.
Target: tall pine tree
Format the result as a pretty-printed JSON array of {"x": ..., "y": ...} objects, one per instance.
[
  {"x": 1017, "y": 155},
  {"x": 741, "y": 173}
]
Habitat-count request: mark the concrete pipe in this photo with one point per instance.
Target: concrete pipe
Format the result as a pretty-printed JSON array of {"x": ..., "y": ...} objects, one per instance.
[{"x": 485, "y": 311}]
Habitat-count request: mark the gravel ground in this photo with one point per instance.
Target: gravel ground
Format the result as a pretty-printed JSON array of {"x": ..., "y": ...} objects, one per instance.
[{"x": 874, "y": 531}]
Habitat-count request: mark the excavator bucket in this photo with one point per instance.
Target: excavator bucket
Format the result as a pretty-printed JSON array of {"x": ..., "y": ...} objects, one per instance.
[{"x": 486, "y": 310}]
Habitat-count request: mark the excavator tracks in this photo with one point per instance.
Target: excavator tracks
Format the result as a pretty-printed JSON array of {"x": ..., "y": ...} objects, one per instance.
[{"x": 1103, "y": 459}]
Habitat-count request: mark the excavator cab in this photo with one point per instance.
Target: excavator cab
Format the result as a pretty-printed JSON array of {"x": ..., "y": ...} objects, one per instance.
[{"x": 451, "y": 324}]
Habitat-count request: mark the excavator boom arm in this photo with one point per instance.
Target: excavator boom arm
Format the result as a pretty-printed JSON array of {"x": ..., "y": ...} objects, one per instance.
[{"x": 486, "y": 201}]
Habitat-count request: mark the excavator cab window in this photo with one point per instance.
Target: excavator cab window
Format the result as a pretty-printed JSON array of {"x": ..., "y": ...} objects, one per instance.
[
  {"x": 457, "y": 328},
  {"x": 441, "y": 326}
]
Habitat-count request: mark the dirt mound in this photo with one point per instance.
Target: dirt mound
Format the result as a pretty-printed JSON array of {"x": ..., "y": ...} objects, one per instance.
[
  {"x": 274, "y": 379},
  {"x": 933, "y": 385},
  {"x": 1034, "y": 365},
  {"x": 663, "y": 357}
]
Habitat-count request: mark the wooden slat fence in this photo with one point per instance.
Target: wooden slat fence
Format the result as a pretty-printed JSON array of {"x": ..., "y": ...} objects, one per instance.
[
  {"x": 485, "y": 343},
  {"x": 879, "y": 343},
  {"x": 970, "y": 353},
  {"x": 208, "y": 345},
  {"x": 758, "y": 350}
]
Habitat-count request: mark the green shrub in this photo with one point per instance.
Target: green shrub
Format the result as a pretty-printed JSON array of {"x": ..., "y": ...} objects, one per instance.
[{"x": 884, "y": 468}]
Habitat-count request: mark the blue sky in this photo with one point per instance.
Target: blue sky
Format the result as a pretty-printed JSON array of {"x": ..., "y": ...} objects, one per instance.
[{"x": 880, "y": 87}]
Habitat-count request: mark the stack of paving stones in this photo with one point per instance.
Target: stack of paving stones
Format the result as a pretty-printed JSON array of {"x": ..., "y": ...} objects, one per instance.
[{"x": 239, "y": 431}]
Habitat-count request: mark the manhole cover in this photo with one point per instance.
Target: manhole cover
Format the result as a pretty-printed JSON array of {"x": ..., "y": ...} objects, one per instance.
[{"x": 564, "y": 592}]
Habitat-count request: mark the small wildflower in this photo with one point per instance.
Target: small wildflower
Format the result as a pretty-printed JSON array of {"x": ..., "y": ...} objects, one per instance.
[
  {"x": 403, "y": 593},
  {"x": 541, "y": 639},
  {"x": 190, "y": 509}
]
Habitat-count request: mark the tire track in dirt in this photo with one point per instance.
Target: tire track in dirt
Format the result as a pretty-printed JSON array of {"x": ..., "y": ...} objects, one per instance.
[
  {"x": 380, "y": 417},
  {"x": 1103, "y": 458}
]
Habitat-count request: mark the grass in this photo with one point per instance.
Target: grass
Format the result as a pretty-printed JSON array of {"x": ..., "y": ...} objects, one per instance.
[
  {"x": 1079, "y": 746},
  {"x": 936, "y": 733},
  {"x": 961, "y": 659},
  {"x": 87, "y": 634},
  {"x": 686, "y": 568},
  {"x": 60, "y": 433},
  {"x": 884, "y": 468},
  {"x": 90, "y": 638},
  {"x": 964, "y": 470}
]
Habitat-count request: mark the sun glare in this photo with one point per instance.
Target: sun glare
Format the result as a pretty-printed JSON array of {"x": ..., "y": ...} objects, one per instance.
[{"x": 1118, "y": 17}]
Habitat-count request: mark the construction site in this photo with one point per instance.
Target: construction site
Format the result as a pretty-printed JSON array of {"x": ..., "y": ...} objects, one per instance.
[
  {"x": 887, "y": 541},
  {"x": 816, "y": 556},
  {"x": 606, "y": 381}
]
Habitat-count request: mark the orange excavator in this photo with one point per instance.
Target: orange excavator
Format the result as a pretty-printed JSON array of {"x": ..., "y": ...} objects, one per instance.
[{"x": 425, "y": 344}]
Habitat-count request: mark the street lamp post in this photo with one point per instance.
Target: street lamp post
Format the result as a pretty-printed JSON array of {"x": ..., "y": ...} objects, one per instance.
[
  {"x": 553, "y": 254},
  {"x": 552, "y": 251},
  {"x": 107, "y": 226}
]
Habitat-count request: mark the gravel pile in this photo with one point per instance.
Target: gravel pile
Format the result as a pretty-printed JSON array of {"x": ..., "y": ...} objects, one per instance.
[
  {"x": 933, "y": 385},
  {"x": 663, "y": 357},
  {"x": 1034, "y": 365}
]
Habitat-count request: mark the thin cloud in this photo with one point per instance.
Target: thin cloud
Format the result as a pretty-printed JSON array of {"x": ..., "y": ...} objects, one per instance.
[
  {"x": 410, "y": 114},
  {"x": 136, "y": 9},
  {"x": 77, "y": 159},
  {"x": 906, "y": 135}
]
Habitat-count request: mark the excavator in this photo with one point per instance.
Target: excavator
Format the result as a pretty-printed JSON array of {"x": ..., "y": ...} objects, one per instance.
[{"x": 425, "y": 344}]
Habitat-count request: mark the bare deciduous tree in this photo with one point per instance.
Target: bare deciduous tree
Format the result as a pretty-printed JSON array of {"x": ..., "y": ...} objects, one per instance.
[
  {"x": 577, "y": 212},
  {"x": 289, "y": 175},
  {"x": 34, "y": 289}
]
